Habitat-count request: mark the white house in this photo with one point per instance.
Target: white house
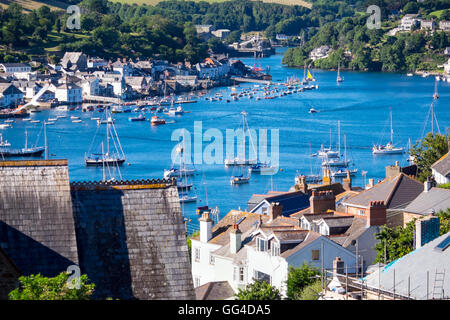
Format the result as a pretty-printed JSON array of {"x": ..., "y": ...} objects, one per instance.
[
  {"x": 212, "y": 69},
  {"x": 69, "y": 93},
  {"x": 15, "y": 67},
  {"x": 447, "y": 67},
  {"x": 91, "y": 87},
  {"x": 319, "y": 53},
  {"x": 444, "y": 25},
  {"x": 441, "y": 170},
  {"x": 245, "y": 246},
  {"x": 9, "y": 95},
  {"x": 408, "y": 21}
]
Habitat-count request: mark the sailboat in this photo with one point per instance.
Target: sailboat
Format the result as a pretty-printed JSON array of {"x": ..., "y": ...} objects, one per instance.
[
  {"x": 7, "y": 151},
  {"x": 180, "y": 171},
  {"x": 329, "y": 152},
  {"x": 244, "y": 161},
  {"x": 339, "y": 78},
  {"x": 240, "y": 179},
  {"x": 435, "y": 94},
  {"x": 110, "y": 157},
  {"x": 344, "y": 171},
  {"x": 389, "y": 148}
]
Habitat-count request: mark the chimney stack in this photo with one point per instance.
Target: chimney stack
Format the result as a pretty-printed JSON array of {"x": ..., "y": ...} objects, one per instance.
[
  {"x": 321, "y": 201},
  {"x": 235, "y": 239},
  {"x": 275, "y": 210},
  {"x": 427, "y": 230},
  {"x": 347, "y": 182},
  {"x": 371, "y": 183},
  {"x": 205, "y": 227},
  {"x": 338, "y": 266},
  {"x": 326, "y": 177},
  {"x": 301, "y": 183},
  {"x": 376, "y": 213},
  {"x": 427, "y": 185},
  {"x": 392, "y": 171}
]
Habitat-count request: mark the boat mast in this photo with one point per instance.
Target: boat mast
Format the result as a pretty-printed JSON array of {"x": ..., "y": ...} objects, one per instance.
[
  {"x": 243, "y": 131},
  {"x": 339, "y": 137},
  {"x": 392, "y": 131},
  {"x": 26, "y": 138},
  {"x": 45, "y": 140},
  {"x": 103, "y": 163}
]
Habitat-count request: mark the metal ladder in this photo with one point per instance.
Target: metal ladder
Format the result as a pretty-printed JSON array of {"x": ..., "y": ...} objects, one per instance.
[{"x": 438, "y": 285}]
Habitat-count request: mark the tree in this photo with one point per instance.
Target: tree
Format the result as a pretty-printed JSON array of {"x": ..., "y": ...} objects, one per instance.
[
  {"x": 38, "y": 287},
  {"x": 258, "y": 290},
  {"x": 427, "y": 151},
  {"x": 400, "y": 241},
  {"x": 298, "y": 279},
  {"x": 311, "y": 291}
]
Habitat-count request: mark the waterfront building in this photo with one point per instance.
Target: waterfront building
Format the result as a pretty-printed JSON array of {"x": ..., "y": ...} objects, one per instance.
[
  {"x": 221, "y": 33},
  {"x": 9, "y": 95},
  {"x": 320, "y": 52},
  {"x": 68, "y": 93}
]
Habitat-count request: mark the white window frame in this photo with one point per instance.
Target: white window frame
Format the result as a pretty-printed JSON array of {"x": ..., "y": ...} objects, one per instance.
[
  {"x": 275, "y": 249},
  {"x": 212, "y": 260},
  {"x": 259, "y": 241},
  {"x": 197, "y": 254}
]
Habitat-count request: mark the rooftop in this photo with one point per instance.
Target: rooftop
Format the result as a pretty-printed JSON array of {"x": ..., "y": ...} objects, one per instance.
[
  {"x": 436, "y": 199},
  {"x": 396, "y": 192},
  {"x": 442, "y": 166},
  {"x": 418, "y": 265}
]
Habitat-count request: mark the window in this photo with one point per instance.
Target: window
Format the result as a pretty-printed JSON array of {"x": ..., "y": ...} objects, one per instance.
[
  {"x": 264, "y": 210},
  {"x": 261, "y": 276},
  {"x": 275, "y": 248},
  {"x": 315, "y": 255},
  {"x": 261, "y": 244},
  {"x": 196, "y": 281},
  {"x": 197, "y": 254},
  {"x": 361, "y": 212},
  {"x": 241, "y": 274},
  {"x": 212, "y": 259},
  {"x": 238, "y": 274}
]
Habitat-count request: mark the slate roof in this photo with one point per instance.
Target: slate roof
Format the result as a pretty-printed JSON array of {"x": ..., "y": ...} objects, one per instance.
[
  {"x": 396, "y": 192},
  {"x": 414, "y": 265},
  {"x": 257, "y": 198},
  {"x": 435, "y": 199},
  {"x": 218, "y": 290},
  {"x": 442, "y": 166},
  {"x": 291, "y": 201},
  {"x": 310, "y": 237}
]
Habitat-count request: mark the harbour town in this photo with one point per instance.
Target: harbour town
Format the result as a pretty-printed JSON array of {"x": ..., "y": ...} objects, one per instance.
[{"x": 227, "y": 176}]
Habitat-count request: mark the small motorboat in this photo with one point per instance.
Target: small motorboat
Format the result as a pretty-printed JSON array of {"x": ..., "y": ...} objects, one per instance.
[
  {"x": 239, "y": 179},
  {"x": 262, "y": 168},
  {"x": 312, "y": 110},
  {"x": 155, "y": 121},
  {"x": 176, "y": 111},
  {"x": 185, "y": 198},
  {"x": 138, "y": 118},
  {"x": 5, "y": 126}
]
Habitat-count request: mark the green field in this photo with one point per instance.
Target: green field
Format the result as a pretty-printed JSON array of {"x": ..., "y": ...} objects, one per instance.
[
  {"x": 29, "y": 5},
  {"x": 437, "y": 13}
]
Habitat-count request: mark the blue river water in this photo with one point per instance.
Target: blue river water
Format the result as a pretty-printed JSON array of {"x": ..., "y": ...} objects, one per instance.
[{"x": 361, "y": 103}]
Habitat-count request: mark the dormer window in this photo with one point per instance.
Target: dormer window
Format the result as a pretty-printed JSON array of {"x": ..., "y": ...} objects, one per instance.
[
  {"x": 275, "y": 249},
  {"x": 261, "y": 244}
]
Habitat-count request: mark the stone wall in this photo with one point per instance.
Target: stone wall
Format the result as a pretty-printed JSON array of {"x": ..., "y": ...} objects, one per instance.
[
  {"x": 36, "y": 219},
  {"x": 131, "y": 240}
]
